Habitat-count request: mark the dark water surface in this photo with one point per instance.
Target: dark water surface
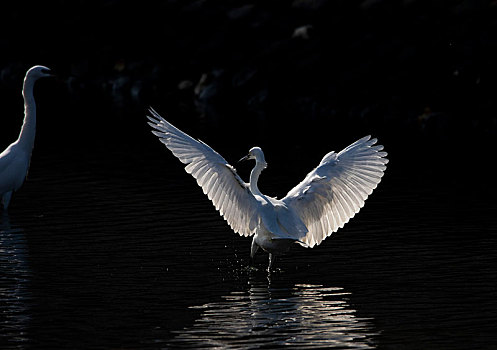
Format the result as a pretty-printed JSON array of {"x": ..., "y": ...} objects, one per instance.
[{"x": 124, "y": 251}]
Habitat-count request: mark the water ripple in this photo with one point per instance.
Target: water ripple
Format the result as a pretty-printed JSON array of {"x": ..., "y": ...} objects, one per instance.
[
  {"x": 101, "y": 255},
  {"x": 306, "y": 315},
  {"x": 15, "y": 278}
]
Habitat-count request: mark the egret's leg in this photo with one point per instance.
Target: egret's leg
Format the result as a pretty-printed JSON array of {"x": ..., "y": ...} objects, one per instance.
[
  {"x": 6, "y": 199},
  {"x": 253, "y": 249},
  {"x": 272, "y": 259}
]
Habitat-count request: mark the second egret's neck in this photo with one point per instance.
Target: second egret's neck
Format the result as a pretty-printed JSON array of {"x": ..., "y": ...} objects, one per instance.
[
  {"x": 28, "y": 131},
  {"x": 254, "y": 176}
]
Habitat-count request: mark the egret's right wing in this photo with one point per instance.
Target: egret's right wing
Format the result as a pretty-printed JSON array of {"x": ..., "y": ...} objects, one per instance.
[{"x": 218, "y": 179}]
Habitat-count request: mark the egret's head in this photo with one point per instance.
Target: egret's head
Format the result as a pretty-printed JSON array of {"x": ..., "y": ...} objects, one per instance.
[
  {"x": 37, "y": 72},
  {"x": 257, "y": 154}
]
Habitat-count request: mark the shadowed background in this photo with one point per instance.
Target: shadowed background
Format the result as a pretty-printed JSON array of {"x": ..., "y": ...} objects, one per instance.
[
  {"x": 91, "y": 227},
  {"x": 285, "y": 74}
]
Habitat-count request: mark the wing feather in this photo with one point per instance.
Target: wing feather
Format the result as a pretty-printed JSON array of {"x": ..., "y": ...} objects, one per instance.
[
  {"x": 218, "y": 180},
  {"x": 336, "y": 190}
]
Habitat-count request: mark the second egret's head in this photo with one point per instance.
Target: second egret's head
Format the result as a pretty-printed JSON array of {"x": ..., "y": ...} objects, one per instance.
[
  {"x": 257, "y": 154},
  {"x": 37, "y": 72}
]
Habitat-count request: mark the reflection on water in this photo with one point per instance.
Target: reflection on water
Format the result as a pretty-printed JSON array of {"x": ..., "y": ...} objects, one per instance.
[
  {"x": 304, "y": 315},
  {"x": 15, "y": 275}
]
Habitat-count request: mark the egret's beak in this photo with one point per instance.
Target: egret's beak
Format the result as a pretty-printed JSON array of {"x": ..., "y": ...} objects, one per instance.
[{"x": 244, "y": 158}]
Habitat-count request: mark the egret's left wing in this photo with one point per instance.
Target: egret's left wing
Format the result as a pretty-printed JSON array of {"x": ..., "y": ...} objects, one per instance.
[
  {"x": 218, "y": 179},
  {"x": 335, "y": 191}
]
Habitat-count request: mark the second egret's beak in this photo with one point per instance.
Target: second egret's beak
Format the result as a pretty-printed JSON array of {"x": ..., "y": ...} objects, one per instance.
[{"x": 244, "y": 158}]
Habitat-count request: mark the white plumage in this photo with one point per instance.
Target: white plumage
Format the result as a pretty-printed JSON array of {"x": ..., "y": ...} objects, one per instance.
[
  {"x": 14, "y": 160},
  {"x": 324, "y": 201}
]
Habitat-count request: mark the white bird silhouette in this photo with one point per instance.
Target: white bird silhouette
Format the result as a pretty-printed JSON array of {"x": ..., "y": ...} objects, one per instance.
[
  {"x": 324, "y": 201},
  {"x": 14, "y": 160}
]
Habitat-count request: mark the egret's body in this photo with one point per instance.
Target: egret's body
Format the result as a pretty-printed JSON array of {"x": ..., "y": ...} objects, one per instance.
[
  {"x": 14, "y": 160},
  {"x": 324, "y": 201}
]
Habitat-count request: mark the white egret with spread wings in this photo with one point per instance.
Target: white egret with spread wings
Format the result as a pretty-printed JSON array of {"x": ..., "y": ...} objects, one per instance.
[{"x": 323, "y": 202}]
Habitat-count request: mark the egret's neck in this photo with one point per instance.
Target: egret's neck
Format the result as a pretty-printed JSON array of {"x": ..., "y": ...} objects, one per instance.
[
  {"x": 254, "y": 177},
  {"x": 27, "y": 135}
]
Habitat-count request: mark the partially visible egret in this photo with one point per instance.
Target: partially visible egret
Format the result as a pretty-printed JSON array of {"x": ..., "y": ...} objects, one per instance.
[
  {"x": 324, "y": 201},
  {"x": 14, "y": 160}
]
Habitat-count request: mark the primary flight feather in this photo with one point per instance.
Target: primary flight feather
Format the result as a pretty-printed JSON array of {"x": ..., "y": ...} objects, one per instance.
[{"x": 324, "y": 201}]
